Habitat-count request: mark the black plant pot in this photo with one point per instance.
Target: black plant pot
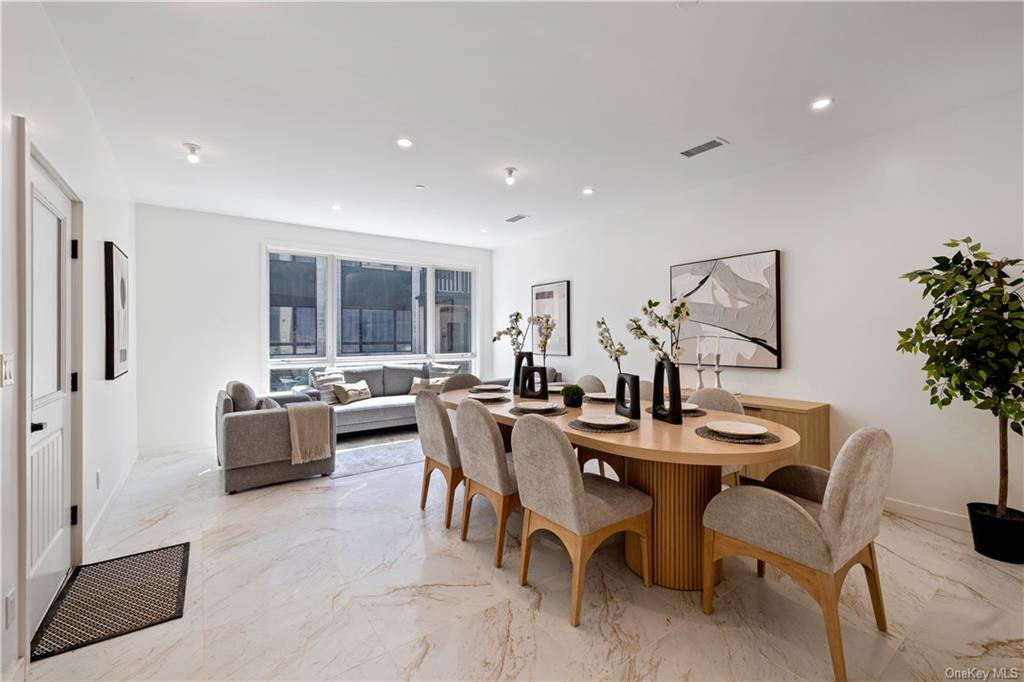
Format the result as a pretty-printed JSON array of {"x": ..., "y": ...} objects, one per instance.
[
  {"x": 533, "y": 382},
  {"x": 630, "y": 408},
  {"x": 666, "y": 371},
  {"x": 997, "y": 538},
  {"x": 522, "y": 358},
  {"x": 572, "y": 400}
]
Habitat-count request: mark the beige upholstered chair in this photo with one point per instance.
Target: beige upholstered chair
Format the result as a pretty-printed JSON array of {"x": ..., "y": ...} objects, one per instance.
[
  {"x": 440, "y": 450},
  {"x": 646, "y": 390},
  {"x": 590, "y": 384},
  {"x": 583, "y": 510},
  {"x": 487, "y": 467},
  {"x": 723, "y": 401},
  {"x": 460, "y": 381},
  {"x": 812, "y": 525}
]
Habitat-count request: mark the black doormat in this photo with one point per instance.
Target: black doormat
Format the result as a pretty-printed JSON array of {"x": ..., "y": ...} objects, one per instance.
[{"x": 112, "y": 598}]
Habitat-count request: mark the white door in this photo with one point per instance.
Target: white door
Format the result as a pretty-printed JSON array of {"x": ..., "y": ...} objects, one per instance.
[{"x": 49, "y": 453}]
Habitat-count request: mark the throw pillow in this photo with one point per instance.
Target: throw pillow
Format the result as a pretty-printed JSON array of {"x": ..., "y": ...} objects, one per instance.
[
  {"x": 267, "y": 404},
  {"x": 419, "y": 384},
  {"x": 325, "y": 381},
  {"x": 350, "y": 393}
]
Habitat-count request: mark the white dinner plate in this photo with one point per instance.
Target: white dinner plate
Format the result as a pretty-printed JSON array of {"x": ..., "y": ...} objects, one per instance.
[
  {"x": 689, "y": 407},
  {"x": 600, "y": 397},
  {"x": 537, "y": 407},
  {"x": 488, "y": 387},
  {"x": 606, "y": 420},
  {"x": 487, "y": 397},
  {"x": 737, "y": 429}
]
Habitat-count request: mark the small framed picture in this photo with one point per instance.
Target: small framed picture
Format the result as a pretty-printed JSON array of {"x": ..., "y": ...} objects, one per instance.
[
  {"x": 553, "y": 299},
  {"x": 116, "y": 270}
]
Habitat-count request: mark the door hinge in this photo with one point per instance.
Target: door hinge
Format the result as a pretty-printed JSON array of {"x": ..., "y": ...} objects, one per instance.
[
  {"x": 74, "y": 249},
  {"x": 74, "y": 515},
  {"x": 74, "y": 382}
]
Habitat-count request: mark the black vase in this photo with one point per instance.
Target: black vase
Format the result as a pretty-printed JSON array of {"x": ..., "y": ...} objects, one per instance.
[
  {"x": 528, "y": 386},
  {"x": 997, "y": 538},
  {"x": 522, "y": 358},
  {"x": 666, "y": 370},
  {"x": 629, "y": 409}
]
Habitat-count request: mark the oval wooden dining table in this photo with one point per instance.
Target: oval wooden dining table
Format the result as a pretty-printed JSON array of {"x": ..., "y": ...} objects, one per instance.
[{"x": 680, "y": 470}]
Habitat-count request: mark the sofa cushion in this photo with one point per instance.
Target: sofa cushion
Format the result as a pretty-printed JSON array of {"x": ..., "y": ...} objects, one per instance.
[
  {"x": 376, "y": 409},
  {"x": 398, "y": 378},
  {"x": 324, "y": 381},
  {"x": 242, "y": 396},
  {"x": 268, "y": 404},
  {"x": 373, "y": 375},
  {"x": 350, "y": 393},
  {"x": 421, "y": 384}
]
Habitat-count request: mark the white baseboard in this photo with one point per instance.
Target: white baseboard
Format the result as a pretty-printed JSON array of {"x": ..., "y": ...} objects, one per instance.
[
  {"x": 920, "y": 511},
  {"x": 16, "y": 670},
  {"x": 94, "y": 526}
]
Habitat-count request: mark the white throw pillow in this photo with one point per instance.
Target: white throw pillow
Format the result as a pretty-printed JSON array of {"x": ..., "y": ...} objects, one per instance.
[
  {"x": 324, "y": 382},
  {"x": 421, "y": 384},
  {"x": 350, "y": 393}
]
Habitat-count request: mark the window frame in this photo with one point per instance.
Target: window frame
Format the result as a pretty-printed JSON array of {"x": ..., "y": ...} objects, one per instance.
[{"x": 331, "y": 316}]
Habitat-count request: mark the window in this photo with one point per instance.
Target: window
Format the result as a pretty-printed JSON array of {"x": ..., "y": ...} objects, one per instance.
[
  {"x": 297, "y": 306},
  {"x": 381, "y": 308},
  {"x": 326, "y": 309},
  {"x": 453, "y": 311}
]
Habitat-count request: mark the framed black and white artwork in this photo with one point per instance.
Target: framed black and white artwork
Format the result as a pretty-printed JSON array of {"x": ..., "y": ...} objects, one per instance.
[
  {"x": 116, "y": 272},
  {"x": 553, "y": 299},
  {"x": 734, "y": 309}
]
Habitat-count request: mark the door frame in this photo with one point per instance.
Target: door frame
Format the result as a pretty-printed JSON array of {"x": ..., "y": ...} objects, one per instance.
[{"x": 25, "y": 154}]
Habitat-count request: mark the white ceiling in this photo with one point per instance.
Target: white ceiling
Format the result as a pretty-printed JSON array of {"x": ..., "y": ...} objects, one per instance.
[{"x": 297, "y": 107}]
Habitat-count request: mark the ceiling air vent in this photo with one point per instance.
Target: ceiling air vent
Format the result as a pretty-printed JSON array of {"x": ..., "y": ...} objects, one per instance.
[
  {"x": 516, "y": 218},
  {"x": 701, "y": 148}
]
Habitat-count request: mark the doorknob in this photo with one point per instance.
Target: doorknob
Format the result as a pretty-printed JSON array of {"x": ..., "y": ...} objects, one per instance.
[{"x": 37, "y": 426}]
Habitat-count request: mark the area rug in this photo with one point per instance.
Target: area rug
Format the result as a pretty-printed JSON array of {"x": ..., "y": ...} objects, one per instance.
[
  {"x": 113, "y": 598},
  {"x": 352, "y": 459}
]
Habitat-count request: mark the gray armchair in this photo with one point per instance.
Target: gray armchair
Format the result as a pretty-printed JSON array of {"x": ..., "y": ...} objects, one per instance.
[{"x": 254, "y": 442}]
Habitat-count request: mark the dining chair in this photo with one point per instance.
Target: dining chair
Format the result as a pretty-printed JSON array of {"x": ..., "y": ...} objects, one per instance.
[
  {"x": 646, "y": 390},
  {"x": 440, "y": 451},
  {"x": 812, "y": 525},
  {"x": 460, "y": 381},
  {"x": 723, "y": 401},
  {"x": 582, "y": 510},
  {"x": 487, "y": 468},
  {"x": 590, "y": 384}
]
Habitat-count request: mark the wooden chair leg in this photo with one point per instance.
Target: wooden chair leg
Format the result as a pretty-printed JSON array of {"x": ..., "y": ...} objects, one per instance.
[
  {"x": 875, "y": 588},
  {"x": 828, "y": 599},
  {"x": 426, "y": 483},
  {"x": 467, "y": 504},
  {"x": 600, "y": 467},
  {"x": 732, "y": 479},
  {"x": 449, "y": 501},
  {"x": 525, "y": 547},
  {"x": 645, "y": 549},
  {"x": 502, "y": 512},
  {"x": 579, "y": 574},
  {"x": 708, "y": 571},
  {"x": 760, "y": 568}
]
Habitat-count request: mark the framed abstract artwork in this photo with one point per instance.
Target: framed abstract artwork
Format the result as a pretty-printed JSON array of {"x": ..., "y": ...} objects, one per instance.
[
  {"x": 734, "y": 309},
  {"x": 552, "y": 299},
  {"x": 116, "y": 290}
]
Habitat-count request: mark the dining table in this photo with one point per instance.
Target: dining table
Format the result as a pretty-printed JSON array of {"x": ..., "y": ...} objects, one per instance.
[{"x": 678, "y": 468}]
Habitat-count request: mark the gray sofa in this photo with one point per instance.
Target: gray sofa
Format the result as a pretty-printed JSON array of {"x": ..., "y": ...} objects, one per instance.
[
  {"x": 254, "y": 445},
  {"x": 390, "y": 404}
]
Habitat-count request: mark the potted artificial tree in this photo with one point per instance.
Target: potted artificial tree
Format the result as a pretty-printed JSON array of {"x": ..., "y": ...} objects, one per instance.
[{"x": 973, "y": 338}]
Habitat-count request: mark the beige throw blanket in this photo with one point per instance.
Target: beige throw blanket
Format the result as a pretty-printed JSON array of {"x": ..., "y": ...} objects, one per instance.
[{"x": 310, "y": 425}]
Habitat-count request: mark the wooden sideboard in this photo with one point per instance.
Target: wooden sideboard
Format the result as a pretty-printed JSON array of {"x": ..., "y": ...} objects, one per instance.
[{"x": 807, "y": 418}]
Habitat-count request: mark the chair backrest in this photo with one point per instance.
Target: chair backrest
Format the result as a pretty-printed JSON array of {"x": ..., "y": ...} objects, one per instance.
[
  {"x": 591, "y": 384},
  {"x": 851, "y": 510},
  {"x": 548, "y": 473},
  {"x": 435, "y": 429},
  {"x": 481, "y": 449},
  {"x": 646, "y": 390},
  {"x": 716, "y": 399},
  {"x": 460, "y": 381}
]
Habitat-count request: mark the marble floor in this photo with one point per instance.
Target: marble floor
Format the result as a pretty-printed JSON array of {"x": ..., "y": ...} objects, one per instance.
[{"x": 347, "y": 579}]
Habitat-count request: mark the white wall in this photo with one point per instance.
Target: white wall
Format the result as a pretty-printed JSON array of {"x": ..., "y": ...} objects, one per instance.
[
  {"x": 849, "y": 221},
  {"x": 200, "y": 318},
  {"x": 39, "y": 83}
]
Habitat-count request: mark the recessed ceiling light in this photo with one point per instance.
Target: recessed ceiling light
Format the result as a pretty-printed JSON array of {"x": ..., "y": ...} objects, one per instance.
[
  {"x": 421, "y": 186},
  {"x": 193, "y": 153},
  {"x": 588, "y": 190},
  {"x": 404, "y": 142},
  {"x": 484, "y": 230},
  {"x": 821, "y": 103},
  {"x": 510, "y": 176},
  {"x": 335, "y": 207}
]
